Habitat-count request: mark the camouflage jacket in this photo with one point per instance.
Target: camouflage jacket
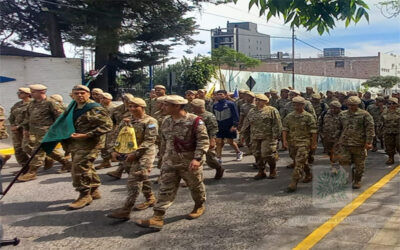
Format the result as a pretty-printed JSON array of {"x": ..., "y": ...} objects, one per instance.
[
  {"x": 17, "y": 113},
  {"x": 376, "y": 113},
  {"x": 244, "y": 111},
  {"x": 274, "y": 102},
  {"x": 356, "y": 128},
  {"x": 300, "y": 128},
  {"x": 40, "y": 115},
  {"x": 211, "y": 123},
  {"x": 290, "y": 108},
  {"x": 391, "y": 121},
  {"x": 119, "y": 113},
  {"x": 262, "y": 124},
  {"x": 319, "y": 108},
  {"x": 328, "y": 126},
  {"x": 281, "y": 103},
  {"x": 181, "y": 129},
  {"x": 329, "y": 100}
]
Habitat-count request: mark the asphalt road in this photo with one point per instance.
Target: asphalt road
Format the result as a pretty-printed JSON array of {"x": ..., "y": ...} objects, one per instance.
[{"x": 241, "y": 213}]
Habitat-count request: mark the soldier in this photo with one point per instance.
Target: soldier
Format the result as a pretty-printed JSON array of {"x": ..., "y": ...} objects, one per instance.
[
  {"x": 273, "y": 101},
  {"x": 309, "y": 93},
  {"x": 318, "y": 106},
  {"x": 241, "y": 100},
  {"x": 58, "y": 99},
  {"x": 183, "y": 145},
  {"x": 328, "y": 125},
  {"x": 91, "y": 121},
  {"x": 248, "y": 97},
  {"x": 40, "y": 114},
  {"x": 16, "y": 118},
  {"x": 159, "y": 116},
  {"x": 190, "y": 95},
  {"x": 141, "y": 161},
  {"x": 3, "y": 135},
  {"x": 329, "y": 97},
  {"x": 289, "y": 107},
  {"x": 375, "y": 110},
  {"x": 208, "y": 101},
  {"x": 211, "y": 124},
  {"x": 391, "y": 129},
  {"x": 300, "y": 135},
  {"x": 263, "y": 126},
  {"x": 106, "y": 102},
  {"x": 159, "y": 90},
  {"x": 281, "y": 105},
  {"x": 356, "y": 135},
  {"x": 97, "y": 94}
]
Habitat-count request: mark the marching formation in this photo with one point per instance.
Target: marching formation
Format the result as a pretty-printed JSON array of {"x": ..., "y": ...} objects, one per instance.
[{"x": 183, "y": 133}]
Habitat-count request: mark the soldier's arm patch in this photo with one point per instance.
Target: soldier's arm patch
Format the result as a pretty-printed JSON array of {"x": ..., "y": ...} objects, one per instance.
[
  {"x": 151, "y": 126},
  {"x": 201, "y": 122}
]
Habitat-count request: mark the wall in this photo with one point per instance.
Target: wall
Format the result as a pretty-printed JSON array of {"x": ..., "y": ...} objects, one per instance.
[
  {"x": 253, "y": 44},
  {"x": 389, "y": 64},
  {"x": 59, "y": 74}
]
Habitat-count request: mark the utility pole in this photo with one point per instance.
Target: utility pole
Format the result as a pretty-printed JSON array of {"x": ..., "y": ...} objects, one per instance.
[
  {"x": 150, "y": 77},
  {"x": 293, "y": 57}
]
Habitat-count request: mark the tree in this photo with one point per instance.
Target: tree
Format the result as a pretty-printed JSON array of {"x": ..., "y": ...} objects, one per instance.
[
  {"x": 233, "y": 60},
  {"x": 385, "y": 82},
  {"x": 313, "y": 13},
  {"x": 390, "y": 8}
]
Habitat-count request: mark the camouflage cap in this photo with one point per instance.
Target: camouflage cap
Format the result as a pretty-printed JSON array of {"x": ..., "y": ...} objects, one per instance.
[
  {"x": 393, "y": 99},
  {"x": 285, "y": 89},
  {"x": 159, "y": 86},
  {"x": 262, "y": 97},
  {"x": 242, "y": 91},
  {"x": 97, "y": 91},
  {"x": 353, "y": 100},
  {"x": 161, "y": 98},
  {"x": 57, "y": 98},
  {"x": 175, "y": 99},
  {"x": 336, "y": 104},
  {"x": 190, "y": 92},
  {"x": 38, "y": 87},
  {"x": 200, "y": 103},
  {"x": 127, "y": 96},
  {"x": 2, "y": 117},
  {"x": 248, "y": 92},
  {"x": 294, "y": 91},
  {"x": 81, "y": 87},
  {"x": 380, "y": 99},
  {"x": 107, "y": 96},
  {"x": 138, "y": 101},
  {"x": 299, "y": 99},
  {"x": 273, "y": 91},
  {"x": 25, "y": 90},
  {"x": 316, "y": 96}
]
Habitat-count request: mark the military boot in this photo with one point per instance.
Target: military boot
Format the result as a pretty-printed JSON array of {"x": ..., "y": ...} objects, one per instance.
[
  {"x": 95, "y": 193},
  {"x": 116, "y": 173},
  {"x": 390, "y": 160},
  {"x": 292, "y": 187},
  {"x": 148, "y": 203},
  {"x": 104, "y": 164},
  {"x": 308, "y": 177},
  {"x": 83, "y": 200},
  {"x": 122, "y": 213},
  {"x": 357, "y": 182},
  {"x": 66, "y": 167},
  {"x": 219, "y": 173},
  {"x": 261, "y": 175},
  {"x": 197, "y": 211},
  {"x": 156, "y": 222},
  {"x": 27, "y": 177},
  {"x": 291, "y": 165},
  {"x": 272, "y": 170},
  {"x": 48, "y": 163}
]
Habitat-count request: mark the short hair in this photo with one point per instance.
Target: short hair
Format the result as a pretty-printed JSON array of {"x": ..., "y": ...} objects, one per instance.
[{"x": 223, "y": 91}]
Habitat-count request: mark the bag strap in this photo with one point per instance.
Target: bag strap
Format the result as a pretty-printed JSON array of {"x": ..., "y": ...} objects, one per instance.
[{"x": 88, "y": 106}]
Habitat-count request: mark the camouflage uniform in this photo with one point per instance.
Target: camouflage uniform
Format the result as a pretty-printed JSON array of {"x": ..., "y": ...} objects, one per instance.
[
  {"x": 376, "y": 113},
  {"x": 159, "y": 116},
  {"x": 280, "y": 104},
  {"x": 175, "y": 166},
  {"x": 264, "y": 127},
  {"x": 289, "y": 108},
  {"x": 391, "y": 131},
  {"x": 328, "y": 126},
  {"x": 244, "y": 111},
  {"x": 40, "y": 115},
  {"x": 16, "y": 118},
  {"x": 212, "y": 128},
  {"x": 300, "y": 128},
  {"x": 189, "y": 108},
  {"x": 274, "y": 102},
  {"x": 95, "y": 122},
  {"x": 328, "y": 101},
  {"x": 105, "y": 151},
  {"x": 319, "y": 108},
  {"x": 356, "y": 129}
]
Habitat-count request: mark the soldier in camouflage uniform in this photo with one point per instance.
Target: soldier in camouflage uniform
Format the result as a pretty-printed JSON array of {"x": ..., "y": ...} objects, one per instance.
[
  {"x": 329, "y": 98},
  {"x": 318, "y": 106},
  {"x": 290, "y": 108},
  {"x": 300, "y": 135},
  {"x": 391, "y": 129},
  {"x": 16, "y": 118},
  {"x": 208, "y": 101},
  {"x": 190, "y": 95},
  {"x": 309, "y": 93},
  {"x": 40, "y": 114},
  {"x": 212, "y": 128},
  {"x": 58, "y": 99},
  {"x": 91, "y": 122},
  {"x": 375, "y": 110},
  {"x": 183, "y": 146},
  {"x": 241, "y": 100},
  {"x": 263, "y": 126},
  {"x": 280, "y": 105},
  {"x": 97, "y": 94},
  {"x": 146, "y": 131},
  {"x": 160, "y": 90},
  {"x": 248, "y": 97},
  {"x": 273, "y": 101},
  {"x": 328, "y": 125},
  {"x": 356, "y": 135}
]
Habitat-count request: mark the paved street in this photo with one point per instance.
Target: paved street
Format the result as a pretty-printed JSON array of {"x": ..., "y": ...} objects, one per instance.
[{"x": 241, "y": 213}]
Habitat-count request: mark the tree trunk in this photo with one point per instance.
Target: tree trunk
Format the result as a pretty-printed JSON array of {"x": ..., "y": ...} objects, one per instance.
[{"x": 54, "y": 33}]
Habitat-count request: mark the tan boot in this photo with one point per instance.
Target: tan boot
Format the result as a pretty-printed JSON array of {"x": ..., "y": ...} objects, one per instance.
[
  {"x": 6, "y": 158},
  {"x": 83, "y": 200},
  {"x": 219, "y": 173},
  {"x": 156, "y": 222},
  {"x": 356, "y": 182},
  {"x": 65, "y": 168},
  {"x": 48, "y": 163},
  {"x": 308, "y": 177},
  {"x": 198, "y": 211},
  {"x": 272, "y": 170},
  {"x": 116, "y": 173},
  {"x": 27, "y": 177},
  {"x": 292, "y": 187},
  {"x": 104, "y": 164},
  {"x": 122, "y": 213},
  {"x": 390, "y": 160},
  {"x": 261, "y": 175},
  {"x": 95, "y": 193},
  {"x": 148, "y": 203}
]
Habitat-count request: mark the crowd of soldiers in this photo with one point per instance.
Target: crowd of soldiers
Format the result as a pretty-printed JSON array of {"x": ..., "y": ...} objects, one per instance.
[{"x": 186, "y": 132}]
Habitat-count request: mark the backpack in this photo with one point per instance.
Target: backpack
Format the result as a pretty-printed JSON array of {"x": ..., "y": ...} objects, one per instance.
[{"x": 126, "y": 140}]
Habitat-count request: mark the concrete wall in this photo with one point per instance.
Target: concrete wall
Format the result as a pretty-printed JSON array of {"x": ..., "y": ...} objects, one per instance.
[
  {"x": 389, "y": 64},
  {"x": 59, "y": 74}
]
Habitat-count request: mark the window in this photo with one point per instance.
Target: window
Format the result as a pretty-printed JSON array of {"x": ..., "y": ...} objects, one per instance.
[
  {"x": 289, "y": 67},
  {"x": 339, "y": 64}
]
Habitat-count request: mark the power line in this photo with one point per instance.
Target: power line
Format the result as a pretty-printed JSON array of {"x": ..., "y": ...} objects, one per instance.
[{"x": 312, "y": 46}]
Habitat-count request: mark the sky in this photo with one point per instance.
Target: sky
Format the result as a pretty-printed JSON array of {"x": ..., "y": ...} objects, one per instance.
[{"x": 362, "y": 39}]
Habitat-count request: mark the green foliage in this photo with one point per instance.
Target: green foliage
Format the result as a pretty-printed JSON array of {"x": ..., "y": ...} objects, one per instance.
[
  {"x": 385, "y": 82},
  {"x": 321, "y": 14}
]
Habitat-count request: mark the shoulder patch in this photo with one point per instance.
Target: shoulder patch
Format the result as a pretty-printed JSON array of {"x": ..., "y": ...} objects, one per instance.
[
  {"x": 151, "y": 126},
  {"x": 201, "y": 122}
]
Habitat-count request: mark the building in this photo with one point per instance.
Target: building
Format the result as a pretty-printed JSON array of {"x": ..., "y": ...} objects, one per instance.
[
  {"x": 244, "y": 38},
  {"x": 333, "y": 52}
]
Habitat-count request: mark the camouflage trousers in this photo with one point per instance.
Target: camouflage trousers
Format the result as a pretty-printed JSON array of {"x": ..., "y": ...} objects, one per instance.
[
  {"x": 353, "y": 154},
  {"x": 108, "y": 145},
  {"x": 83, "y": 173},
  {"x": 392, "y": 144},
  {"x": 211, "y": 159},
  {"x": 20, "y": 154},
  {"x": 38, "y": 159},
  {"x": 378, "y": 135},
  {"x": 333, "y": 150},
  {"x": 138, "y": 179},
  {"x": 171, "y": 175},
  {"x": 264, "y": 151},
  {"x": 299, "y": 154}
]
